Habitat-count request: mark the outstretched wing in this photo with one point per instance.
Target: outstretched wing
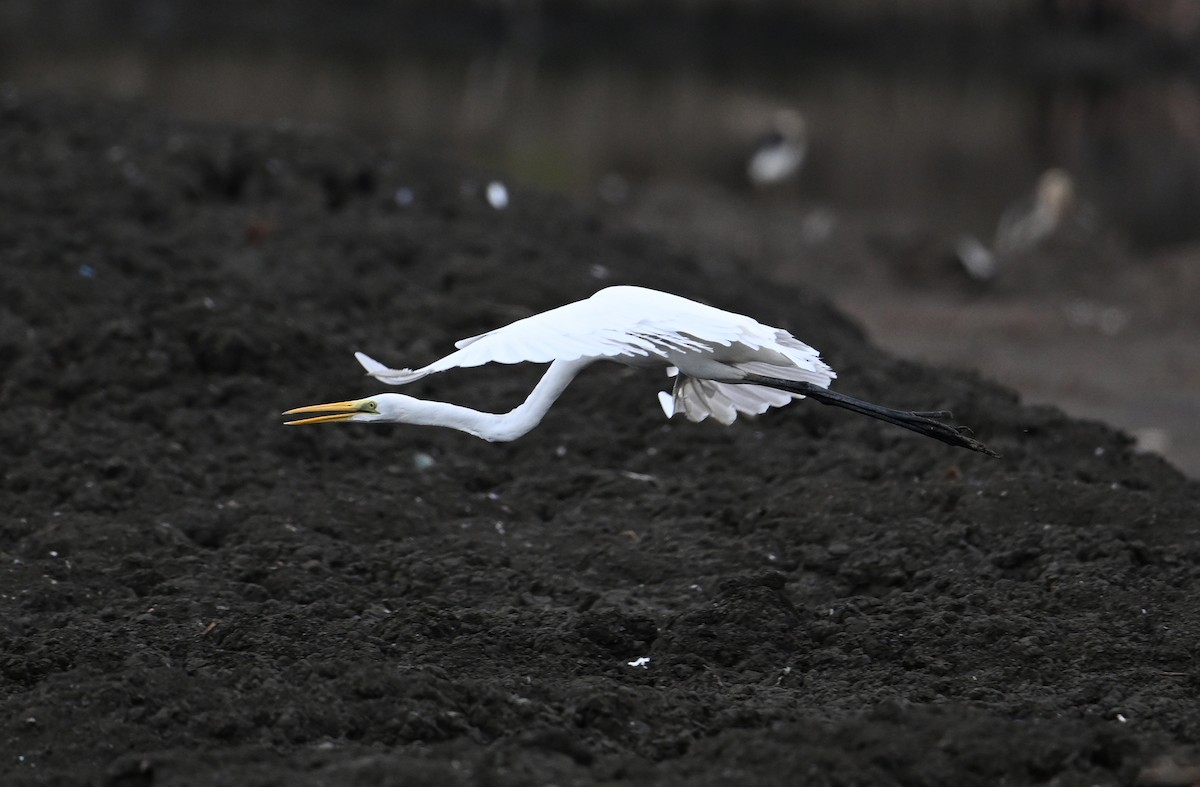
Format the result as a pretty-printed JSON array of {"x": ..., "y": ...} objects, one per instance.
[{"x": 616, "y": 323}]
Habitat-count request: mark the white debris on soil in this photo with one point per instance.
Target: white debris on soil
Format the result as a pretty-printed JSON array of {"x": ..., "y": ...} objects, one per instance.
[{"x": 497, "y": 195}]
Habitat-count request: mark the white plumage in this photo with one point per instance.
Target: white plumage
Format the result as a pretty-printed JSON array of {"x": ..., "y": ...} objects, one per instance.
[
  {"x": 723, "y": 364},
  {"x": 641, "y": 327},
  {"x": 781, "y": 153},
  {"x": 1023, "y": 228}
]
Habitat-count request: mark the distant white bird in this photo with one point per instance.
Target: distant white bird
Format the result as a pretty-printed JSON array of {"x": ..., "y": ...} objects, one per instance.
[
  {"x": 781, "y": 152},
  {"x": 1024, "y": 227},
  {"x": 723, "y": 364}
]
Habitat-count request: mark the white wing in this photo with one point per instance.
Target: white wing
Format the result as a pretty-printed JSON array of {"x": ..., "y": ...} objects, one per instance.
[
  {"x": 698, "y": 399},
  {"x": 639, "y": 325},
  {"x": 616, "y": 323}
]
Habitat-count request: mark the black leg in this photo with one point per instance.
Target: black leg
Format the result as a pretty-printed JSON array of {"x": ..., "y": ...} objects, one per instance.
[{"x": 920, "y": 422}]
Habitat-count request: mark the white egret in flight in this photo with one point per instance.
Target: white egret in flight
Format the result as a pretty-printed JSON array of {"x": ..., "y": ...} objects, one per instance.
[{"x": 723, "y": 364}]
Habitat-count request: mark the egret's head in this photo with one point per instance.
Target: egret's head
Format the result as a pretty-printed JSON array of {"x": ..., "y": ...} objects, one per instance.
[{"x": 388, "y": 407}]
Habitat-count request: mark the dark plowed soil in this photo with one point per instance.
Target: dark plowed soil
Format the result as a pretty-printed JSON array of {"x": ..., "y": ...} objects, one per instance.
[{"x": 192, "y": 593}]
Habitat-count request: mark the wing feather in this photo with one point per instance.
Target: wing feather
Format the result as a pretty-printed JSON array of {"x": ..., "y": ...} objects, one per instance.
[
  {"x": 618, "y": 323},
  {"x": 700, "y": 399}
]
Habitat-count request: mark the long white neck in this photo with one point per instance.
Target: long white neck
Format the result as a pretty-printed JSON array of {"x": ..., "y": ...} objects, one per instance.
[{"x": 495, "y": 427}]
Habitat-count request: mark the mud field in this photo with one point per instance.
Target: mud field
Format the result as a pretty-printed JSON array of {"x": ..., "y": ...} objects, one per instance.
[{"x": 193, "y": 594}]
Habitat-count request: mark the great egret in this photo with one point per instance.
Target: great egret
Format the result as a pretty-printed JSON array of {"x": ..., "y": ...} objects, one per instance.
[
  {"x": 1023, "y": 228},
  {"x": 723, "y": 364}
]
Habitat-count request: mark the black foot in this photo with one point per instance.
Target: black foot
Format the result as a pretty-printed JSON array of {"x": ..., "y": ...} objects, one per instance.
[{"x": 921, "y": 422}]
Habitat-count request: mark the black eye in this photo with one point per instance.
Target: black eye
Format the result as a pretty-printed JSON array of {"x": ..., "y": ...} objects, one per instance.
[{"x": 372, "y": 406}]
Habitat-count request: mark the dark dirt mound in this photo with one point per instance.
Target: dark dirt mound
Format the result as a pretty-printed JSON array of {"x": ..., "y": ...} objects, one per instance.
[{"x": 193, "y": 594}]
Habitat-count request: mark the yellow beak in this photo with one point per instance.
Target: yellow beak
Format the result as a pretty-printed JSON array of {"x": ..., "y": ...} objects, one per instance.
[{"x": 338, "y": 411}]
